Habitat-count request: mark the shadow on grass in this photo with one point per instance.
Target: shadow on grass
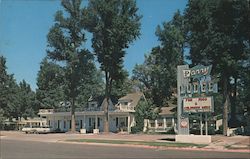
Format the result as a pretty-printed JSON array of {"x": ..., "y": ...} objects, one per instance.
[{"x": 168, "y": 139}]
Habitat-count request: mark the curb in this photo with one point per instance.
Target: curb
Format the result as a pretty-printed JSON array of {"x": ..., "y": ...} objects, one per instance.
[{"x": 157, "y": 147}]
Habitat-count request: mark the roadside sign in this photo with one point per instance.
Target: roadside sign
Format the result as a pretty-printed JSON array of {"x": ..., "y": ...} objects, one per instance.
[
  {"x": 197, "y": 105},
  {"x": 197, "y": 71}
]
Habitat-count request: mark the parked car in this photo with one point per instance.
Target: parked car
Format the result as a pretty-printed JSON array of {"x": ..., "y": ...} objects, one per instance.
[{"x": 37, "y": 129}]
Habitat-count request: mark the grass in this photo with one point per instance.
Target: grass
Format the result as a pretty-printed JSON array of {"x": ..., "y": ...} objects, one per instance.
[
  {"x": 147, "y": 143},
  {"x": 231, "y": 147}
]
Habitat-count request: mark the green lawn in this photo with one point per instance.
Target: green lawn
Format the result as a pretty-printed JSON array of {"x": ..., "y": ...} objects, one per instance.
[{"x": 148, "y": 143}]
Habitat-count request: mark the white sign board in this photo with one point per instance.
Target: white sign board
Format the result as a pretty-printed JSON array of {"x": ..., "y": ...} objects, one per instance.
[{"x": 200, "y": 104}]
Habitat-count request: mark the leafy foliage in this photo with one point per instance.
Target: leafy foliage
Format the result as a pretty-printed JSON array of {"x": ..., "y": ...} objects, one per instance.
[
  {"x": 50, "y": 82},
  {"x": 218, "y": 34},
  {"x": 27, "y": 105},
  {"x": 144, "y": 110},
  {"x": 65, "y": 41},
  {"x": 158, "y": 72},
  {"x": 114, "y": 25},
  {"x": 16, "y": 101}
]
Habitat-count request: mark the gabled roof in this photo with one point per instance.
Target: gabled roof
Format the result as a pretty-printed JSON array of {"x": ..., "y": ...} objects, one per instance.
[
  {"x": 167, "y": 110},
  {"x": 134, "y": 98},
  {"x": 100, "y": 100}
]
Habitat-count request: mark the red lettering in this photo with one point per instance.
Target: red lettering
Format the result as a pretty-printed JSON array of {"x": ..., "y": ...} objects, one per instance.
[
  {"x": 202, "y": 99},
  {"x": 188, "y": 99}
]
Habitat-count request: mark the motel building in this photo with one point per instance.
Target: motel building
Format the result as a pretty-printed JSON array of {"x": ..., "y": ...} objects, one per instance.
[
  {"x": 90, "y": 119},
  {"x": 121, "y": 116}
]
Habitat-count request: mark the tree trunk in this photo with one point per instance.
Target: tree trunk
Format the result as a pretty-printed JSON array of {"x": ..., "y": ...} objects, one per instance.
[
  {"x": 73, "y": 119},
  {"x": 225, "y": 106},
  {"x": 106, "y": 115},
  {"x": 233, "y": 121},
  {"x": 106, "y": 104}
]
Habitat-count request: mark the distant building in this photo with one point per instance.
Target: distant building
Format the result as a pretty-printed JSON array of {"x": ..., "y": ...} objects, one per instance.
[
  {"x": 165, "y": 122},
  {"x": 15, "y": 124}
]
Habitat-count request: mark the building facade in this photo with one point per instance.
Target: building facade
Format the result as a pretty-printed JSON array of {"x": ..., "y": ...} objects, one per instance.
[{"x": 91, "y": 118}]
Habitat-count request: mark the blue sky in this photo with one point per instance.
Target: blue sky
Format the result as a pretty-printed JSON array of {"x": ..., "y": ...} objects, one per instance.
[{"x": 24, "y": 25}]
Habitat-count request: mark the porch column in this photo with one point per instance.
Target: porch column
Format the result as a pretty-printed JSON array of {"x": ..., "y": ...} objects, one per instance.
[
  {"x": 156, "y": 124},
  {"x": 173, "y": 121},
  {"x": 84, "y": 122},
  {"x": 164, "y": 123},
  {"x": 96, "y": 122},
  {"x": 129, "y": 128}
]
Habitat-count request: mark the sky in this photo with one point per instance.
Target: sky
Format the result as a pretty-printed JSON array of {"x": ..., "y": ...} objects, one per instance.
[{"x": 24, "y": 25}]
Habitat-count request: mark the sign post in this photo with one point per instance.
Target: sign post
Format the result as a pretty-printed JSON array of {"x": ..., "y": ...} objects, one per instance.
[{"x": 181, "y": 117}]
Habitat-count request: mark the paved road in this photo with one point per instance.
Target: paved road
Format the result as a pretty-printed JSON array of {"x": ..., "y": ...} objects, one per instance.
[{"x": 18, "y": 149}]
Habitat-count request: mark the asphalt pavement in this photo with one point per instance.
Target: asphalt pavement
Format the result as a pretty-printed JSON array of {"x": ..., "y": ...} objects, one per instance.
[
  {"x": 21, "y": 149},
  {"x": 16, "y": 145}
]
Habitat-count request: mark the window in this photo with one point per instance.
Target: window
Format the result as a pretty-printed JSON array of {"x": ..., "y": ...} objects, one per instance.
[
  {"x": 98, "y": 122},
  {"x": 169, "y": 124},
  {"x": 49, "y": 122},
  {"x": 160, "y": 124},
  {"x": 116, "y": 121},
  {"x": 58, "y": 124},
  {"x": 152, "y": 125},
  {"x": 70, "y": 124},
  {"x": 80, "y": 124},
  {"x": 89, "y": 121},
  {"x": 126, "y": 121},
  {"x": 64, "y": 124}
]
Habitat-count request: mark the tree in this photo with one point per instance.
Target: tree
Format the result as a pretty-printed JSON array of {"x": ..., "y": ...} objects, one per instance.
[
  {"x": 158, "y": 72},
  {"x": 92, "y": 85},
  {"x": 65, "y": 43},
  {"x": 8, "y": 93},
  {"x": 122, "y": 87},
  {"x": 3, "y": 82},
  {"x": 50, "y": 82},
  {"x": 114, "y": 25},
  {"x": 144, "y": 110},
  {"x": 218, "y": 34},
  {"x": 26, "y": 106},
  {"x": 16, "y": 101}
]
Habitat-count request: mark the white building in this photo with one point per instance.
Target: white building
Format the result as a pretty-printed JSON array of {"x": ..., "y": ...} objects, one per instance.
[
  {"x": 164, "y": 123},
  {"x": 121, "y": 115}
]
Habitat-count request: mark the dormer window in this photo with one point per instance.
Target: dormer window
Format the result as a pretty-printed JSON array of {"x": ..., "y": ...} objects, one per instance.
[{"x": 92, "y": 105}]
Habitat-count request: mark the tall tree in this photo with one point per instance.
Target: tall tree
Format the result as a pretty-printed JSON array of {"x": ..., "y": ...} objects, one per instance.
[
  {"x": 218, "y": 34},
  {"x": 65, "y": 42},
  {"x": 8, "y": 93},
  {"x": 114, "y": 24},
  {"x": 3, "y": 82},
  {"x": 16, "y": 101}
]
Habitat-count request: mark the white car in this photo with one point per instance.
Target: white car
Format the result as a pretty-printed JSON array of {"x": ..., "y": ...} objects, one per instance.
[{"x": 37, "y": 129}]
